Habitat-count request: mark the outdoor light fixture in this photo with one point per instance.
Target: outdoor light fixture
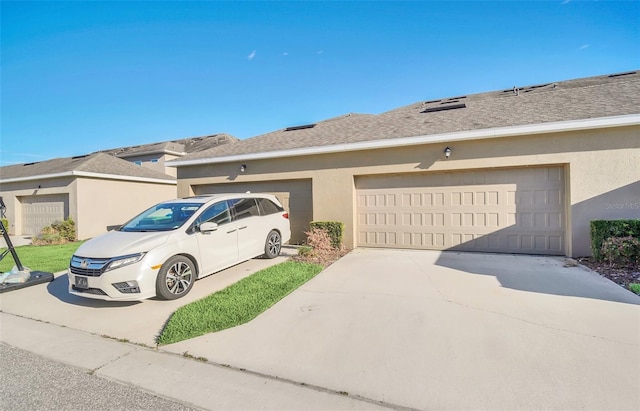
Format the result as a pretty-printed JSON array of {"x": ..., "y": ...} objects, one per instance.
[
  {"x": 243, "y": 168},
  {"x": 447, "y": 152}
]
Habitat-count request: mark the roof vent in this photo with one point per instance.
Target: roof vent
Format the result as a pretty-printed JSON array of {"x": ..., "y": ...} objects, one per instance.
[
  {"x": 622, "y": 74},
  {"x": 443, "y": 108},
  {"x": 82, "y": 156},
  {"x": 30, "y": 164},
  {"x": 299, "y": 127}
]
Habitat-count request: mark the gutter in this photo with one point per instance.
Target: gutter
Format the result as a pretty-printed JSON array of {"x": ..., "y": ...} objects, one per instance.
[
  {"x": 89, "y": 174},
  {"x": 499, "y": 132}
]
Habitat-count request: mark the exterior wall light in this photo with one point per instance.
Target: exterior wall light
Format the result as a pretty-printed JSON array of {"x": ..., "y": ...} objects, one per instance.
[
  {"x": 243, "y": 168},
  {"x": 447, "y": 152}
]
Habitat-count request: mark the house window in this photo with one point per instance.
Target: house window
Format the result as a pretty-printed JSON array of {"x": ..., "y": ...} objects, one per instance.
[
  {"x": 137, "y": 162},
  {"x": 155, "y": 160}
]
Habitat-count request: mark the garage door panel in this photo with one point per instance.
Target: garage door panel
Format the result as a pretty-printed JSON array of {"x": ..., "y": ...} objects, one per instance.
[
  {"x": 516, "y": 211},
  {"x": 40, "y": 211}
]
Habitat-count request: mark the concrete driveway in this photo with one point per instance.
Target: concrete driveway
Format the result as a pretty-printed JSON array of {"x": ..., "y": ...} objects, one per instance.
[
  {"x": 432, "y": 330},
  {"x": 137, "y": 322}
]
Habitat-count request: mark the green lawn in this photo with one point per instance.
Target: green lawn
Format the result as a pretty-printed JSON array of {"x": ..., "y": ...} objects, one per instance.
[
  {"x": 49, "y": 258},
  {"x": 238, "y": 303}
]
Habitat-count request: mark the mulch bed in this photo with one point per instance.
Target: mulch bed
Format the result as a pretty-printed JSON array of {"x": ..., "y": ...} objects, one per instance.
[{"x": 621, "y": 275}]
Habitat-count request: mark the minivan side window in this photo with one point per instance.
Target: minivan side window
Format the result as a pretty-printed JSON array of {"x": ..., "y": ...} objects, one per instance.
[
  {"x": 268, "y": 207},
  {"x": 217, "y": 213},
  {"x": 244, "y": 208}
]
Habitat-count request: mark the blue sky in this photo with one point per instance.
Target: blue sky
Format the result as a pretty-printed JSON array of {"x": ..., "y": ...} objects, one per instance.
[{"x": 78, "y": 77}]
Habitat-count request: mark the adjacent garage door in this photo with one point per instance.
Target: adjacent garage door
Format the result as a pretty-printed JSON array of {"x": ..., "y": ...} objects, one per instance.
[
  {"x": 42, "y": 210},
  {"x": 509, "y": 211},
  {"x": 295, "y": 196}
]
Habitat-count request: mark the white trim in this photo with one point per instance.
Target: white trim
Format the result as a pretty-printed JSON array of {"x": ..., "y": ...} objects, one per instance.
[
  {"x": 542, "y": 128},
  {"x": 91, "y": 175}
]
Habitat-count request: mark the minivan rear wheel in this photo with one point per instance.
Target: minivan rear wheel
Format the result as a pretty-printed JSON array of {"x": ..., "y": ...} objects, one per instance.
[
  {"x": 175, "y": 278},
  {"x": 273, "y": 244}
]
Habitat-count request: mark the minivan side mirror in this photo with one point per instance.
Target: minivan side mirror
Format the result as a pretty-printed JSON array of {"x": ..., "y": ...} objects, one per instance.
[{"x": 208, "y": 227}]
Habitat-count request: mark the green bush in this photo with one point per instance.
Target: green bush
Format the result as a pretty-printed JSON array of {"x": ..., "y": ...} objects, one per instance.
[
  {"x": 635, "y": 287},
  {"x": 66, "y": 228},
  {"x": 604, "y": 229},
  {"x": 334, "y": 229},
  {"x": 5, "y": 223},
  {"x": 57, "y": 233},
  {"x": 621, "y": 250}
]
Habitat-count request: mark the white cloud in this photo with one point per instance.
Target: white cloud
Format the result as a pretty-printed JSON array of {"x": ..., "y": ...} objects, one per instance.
[
  {"x": 566, "y": 1},
  {"x": 285, "y": 54},
  {"x": 584, "y": 46},
  {"x": 252, "y": 55}
]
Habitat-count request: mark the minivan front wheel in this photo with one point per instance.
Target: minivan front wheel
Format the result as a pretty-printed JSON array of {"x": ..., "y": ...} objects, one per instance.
[
  {"x": 273, "y": 244},
  {"x": 175, "y": 278}
]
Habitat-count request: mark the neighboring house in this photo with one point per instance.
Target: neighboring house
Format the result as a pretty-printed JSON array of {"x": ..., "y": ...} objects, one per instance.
[
  {"x": 155, "y": 155},
  {"x": 528, "y": 169},
  {"x": 97, "y": 191}
]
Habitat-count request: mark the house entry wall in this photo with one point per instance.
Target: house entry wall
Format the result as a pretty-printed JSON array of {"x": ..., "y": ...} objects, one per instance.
[
  {"x": 39, "y": 211},
  {"x": 295, "y": 196},
  {"x": 508, "y": 211}
]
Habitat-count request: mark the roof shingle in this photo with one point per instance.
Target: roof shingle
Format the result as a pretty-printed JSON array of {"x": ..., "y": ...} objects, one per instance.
[{"x": 593, "y": 97}]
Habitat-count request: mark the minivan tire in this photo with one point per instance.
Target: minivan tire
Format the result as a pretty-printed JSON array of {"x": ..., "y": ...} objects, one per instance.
[
  {"x": 176, "y": 278},
  {"x": 273, "y": 244}
]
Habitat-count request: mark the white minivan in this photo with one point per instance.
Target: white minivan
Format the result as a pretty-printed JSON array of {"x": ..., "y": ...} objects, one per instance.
[{"x": 162, "y": 251}]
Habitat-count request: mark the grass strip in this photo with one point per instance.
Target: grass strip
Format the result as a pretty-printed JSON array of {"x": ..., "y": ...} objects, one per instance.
[
  {"x": 49, "y": 258},
  {"x": 237, "y": 304}
]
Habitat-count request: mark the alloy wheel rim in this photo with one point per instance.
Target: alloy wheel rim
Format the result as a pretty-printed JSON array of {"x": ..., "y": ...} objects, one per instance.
[
  {"x": 179, "y": 278},
  {"x": 274, "y": 243}
]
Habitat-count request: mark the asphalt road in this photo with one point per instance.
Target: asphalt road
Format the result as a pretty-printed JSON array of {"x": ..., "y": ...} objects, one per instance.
[{"x": 33, "y": 383}]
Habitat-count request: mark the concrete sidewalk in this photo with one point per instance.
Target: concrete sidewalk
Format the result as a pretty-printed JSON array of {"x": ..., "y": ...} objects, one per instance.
[{"x": 185, "y": 380}]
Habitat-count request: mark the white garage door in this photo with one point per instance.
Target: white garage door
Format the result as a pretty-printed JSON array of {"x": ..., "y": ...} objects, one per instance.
[
  {"x": 509, "y": 211},
  {"x": 43, "y": 210},
  {"x": 295, "y": 196}
]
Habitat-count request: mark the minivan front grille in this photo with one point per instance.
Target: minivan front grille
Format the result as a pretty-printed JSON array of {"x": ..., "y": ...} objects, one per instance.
[{"x": 91, "y": 267}]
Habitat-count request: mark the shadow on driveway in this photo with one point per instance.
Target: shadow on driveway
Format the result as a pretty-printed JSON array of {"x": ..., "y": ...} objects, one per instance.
[{"x": 539, "y": 274}]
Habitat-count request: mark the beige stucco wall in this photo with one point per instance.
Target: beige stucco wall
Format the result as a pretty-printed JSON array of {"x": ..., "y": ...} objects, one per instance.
[
  {"x": 602, "y": 173},
  {"x": 94, "y": 203},
  {"x": 103, "y": 203},
  {"x": 12, "y": 192}
]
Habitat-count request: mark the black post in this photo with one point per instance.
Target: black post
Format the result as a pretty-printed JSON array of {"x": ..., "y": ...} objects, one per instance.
[{"x": 10, "y": 247}]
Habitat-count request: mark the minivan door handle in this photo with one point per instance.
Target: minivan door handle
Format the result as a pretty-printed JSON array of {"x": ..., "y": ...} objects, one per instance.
[
  {"x": 229, "y": 232},
  {"x": 242, "y": 228}
]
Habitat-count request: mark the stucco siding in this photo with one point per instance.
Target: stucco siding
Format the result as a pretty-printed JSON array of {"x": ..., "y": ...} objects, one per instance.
[
  {"x": 13, "y": 194},
  {"x": 602, "y": 173},
  {"x": 104, "y": 203}
]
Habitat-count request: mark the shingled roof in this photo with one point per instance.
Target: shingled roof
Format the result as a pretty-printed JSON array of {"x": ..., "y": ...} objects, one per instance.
[
  {"x": 178, "y": 147},
  {"x": 587, "y": 98},
  {"x": 93, "y": 165}
]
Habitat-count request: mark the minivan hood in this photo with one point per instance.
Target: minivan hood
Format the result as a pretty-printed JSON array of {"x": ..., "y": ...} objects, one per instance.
[{"x": 119, "y": 243}]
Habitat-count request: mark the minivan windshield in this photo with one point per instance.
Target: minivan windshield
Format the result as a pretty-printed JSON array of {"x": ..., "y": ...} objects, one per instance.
[{"x": 162, "y": 217}]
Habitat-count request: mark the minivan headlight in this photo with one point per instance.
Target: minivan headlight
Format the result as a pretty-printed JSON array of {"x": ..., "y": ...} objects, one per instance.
[{"x": 124, "y": 260}]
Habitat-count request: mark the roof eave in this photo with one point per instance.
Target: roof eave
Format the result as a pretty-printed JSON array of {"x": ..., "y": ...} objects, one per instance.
[
  {"x": 90, "y": 175},
  {"x": 499, "y": 132}
]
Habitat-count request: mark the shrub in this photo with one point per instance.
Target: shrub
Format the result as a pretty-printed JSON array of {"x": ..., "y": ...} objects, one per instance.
[
  {"x": 5, "y": 223},
  {"x": 319, "y": 248},
  {"x": 334, "y": 229},
  {"x": 635, "y": 287},
  {"x": 621, "y": 250},
  {"x": 603, "y": 229},
  {"x": 57, "y": 233}
]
